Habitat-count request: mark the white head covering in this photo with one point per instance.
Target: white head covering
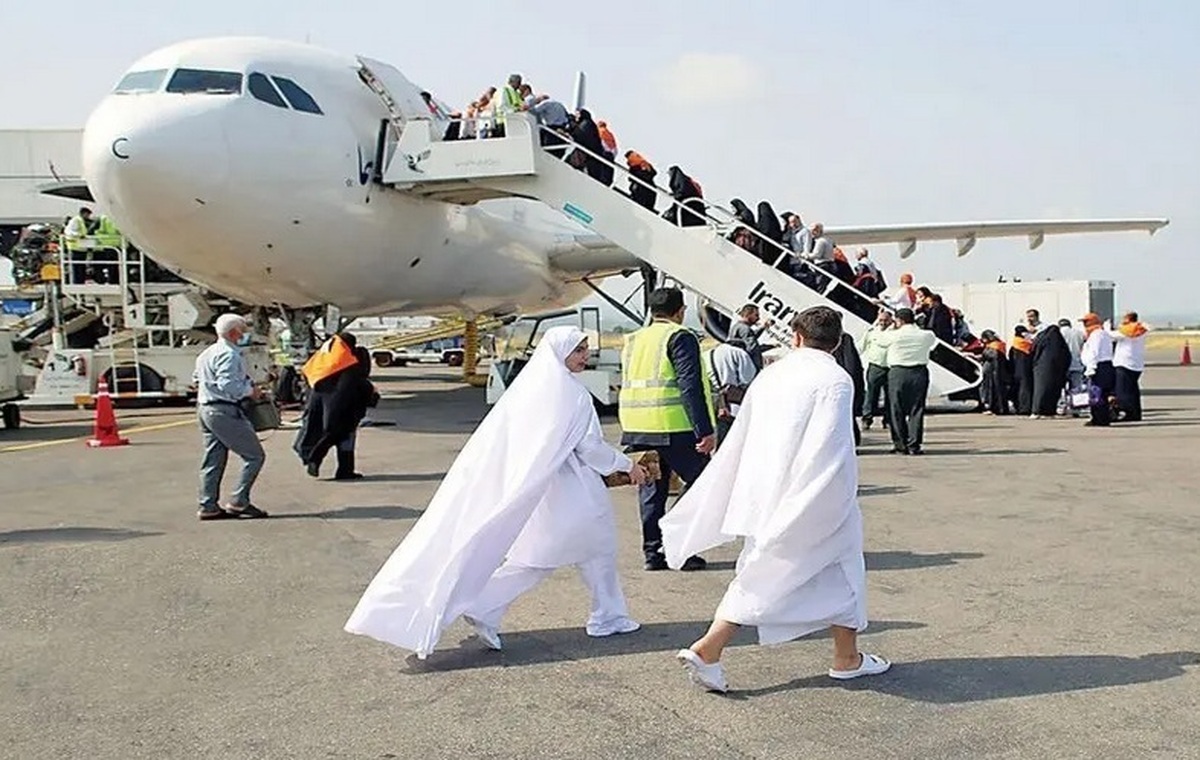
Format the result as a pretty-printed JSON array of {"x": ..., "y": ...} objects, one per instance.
[{"x": 485, "y": 500}]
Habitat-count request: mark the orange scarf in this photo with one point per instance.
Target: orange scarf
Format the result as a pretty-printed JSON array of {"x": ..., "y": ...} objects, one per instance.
[
  {"x": 636, "y": 161},
  {"x": 1133, "y": 329},
  {"x": 1024, "y": 345},
  {"x": 999, "y": 347}
]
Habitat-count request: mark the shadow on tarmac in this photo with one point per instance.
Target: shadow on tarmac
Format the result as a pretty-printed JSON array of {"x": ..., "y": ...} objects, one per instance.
[
  {"x": 382, "y": 512},
  {"x": 568, "y": 644},
  {"x": 905, "y": 560},
  {"x": 72, "y": 534},
  {"x": 978, "y": 679}
]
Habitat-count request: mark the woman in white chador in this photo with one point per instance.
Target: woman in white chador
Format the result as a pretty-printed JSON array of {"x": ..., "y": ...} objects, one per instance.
[{"x": 524, "y": 497}]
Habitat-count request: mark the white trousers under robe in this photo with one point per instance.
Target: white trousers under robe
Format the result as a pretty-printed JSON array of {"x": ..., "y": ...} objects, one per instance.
[{"x": 511, "y": 580}]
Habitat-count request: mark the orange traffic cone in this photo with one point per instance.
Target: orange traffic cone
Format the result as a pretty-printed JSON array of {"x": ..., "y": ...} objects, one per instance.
[
  {"x": 106, "y": 433},
  {"x": 1186, "y": 359}
]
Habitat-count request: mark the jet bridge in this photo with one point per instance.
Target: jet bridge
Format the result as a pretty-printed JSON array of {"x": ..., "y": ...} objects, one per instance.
[{"x": 698, "y": 257}]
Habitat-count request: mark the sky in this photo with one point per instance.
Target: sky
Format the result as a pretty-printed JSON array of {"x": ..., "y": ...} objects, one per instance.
[{"x": 851, "y": 113}]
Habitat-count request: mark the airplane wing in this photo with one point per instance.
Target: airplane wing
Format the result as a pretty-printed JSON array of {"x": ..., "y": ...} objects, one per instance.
[{"x": 967, "y": 233}]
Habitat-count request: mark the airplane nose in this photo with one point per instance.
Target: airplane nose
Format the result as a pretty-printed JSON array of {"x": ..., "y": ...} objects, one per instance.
[{"x": 140, "y": 160}]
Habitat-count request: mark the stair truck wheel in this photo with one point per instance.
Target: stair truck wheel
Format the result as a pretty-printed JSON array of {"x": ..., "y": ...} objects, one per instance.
[
  {"x": 12, "y": 416},
  {"x": 383, "y": 358}
]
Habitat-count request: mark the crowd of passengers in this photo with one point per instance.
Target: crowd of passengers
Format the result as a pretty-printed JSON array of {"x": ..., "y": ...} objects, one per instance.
[{"x": 783, "y": 241}]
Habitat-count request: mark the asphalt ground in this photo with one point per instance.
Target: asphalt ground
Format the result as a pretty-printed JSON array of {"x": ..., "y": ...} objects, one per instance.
[{"x": 1033, "y": 581}]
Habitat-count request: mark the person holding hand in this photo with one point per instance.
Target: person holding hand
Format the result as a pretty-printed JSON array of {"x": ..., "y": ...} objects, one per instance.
[{"x": 525, "y": 496}]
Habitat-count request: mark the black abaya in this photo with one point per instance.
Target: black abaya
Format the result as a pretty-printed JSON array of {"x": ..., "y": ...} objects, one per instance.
[
  {"x": 1051, "y": 361},
  {"x": 1021, "y": 389},
  {"x": 993, "y": 390},
  {"x": 684, "y": 190},
  {"x": 768, "y": 226},
  {"x": 746, "y": 218},
  {"x": 587, "y": 134},
  {"x": 847, "y": 357}
]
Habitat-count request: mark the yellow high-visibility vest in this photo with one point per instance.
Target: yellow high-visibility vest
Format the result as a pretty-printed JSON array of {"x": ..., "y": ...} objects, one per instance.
[
  {"x": 650, "y": 400},
  {"x": 107, "y": 235}
]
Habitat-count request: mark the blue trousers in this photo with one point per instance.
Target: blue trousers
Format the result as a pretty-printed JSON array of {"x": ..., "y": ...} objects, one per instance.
[{"x": 680, "y": 456}]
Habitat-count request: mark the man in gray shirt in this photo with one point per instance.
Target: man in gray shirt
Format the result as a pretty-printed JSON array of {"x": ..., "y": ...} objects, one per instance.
[
  {"x": 732, "y": 372},
  {"x": 1076, "y": 382},
  {"x": 554, "y": 117},
  {"x": 747, "y": 329},
  {"x": 222, "y": 384}
]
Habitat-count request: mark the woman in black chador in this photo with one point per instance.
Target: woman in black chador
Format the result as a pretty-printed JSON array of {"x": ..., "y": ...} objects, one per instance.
[
  {"x": 336, "y": 407},
  {"x": 1020, "y": 364},
  {"x": 993, "y": 389},
  {"x": 1051, "y": 363},
  {"x": 685, "y": 190},
  {"x": 769, "y": 227}
]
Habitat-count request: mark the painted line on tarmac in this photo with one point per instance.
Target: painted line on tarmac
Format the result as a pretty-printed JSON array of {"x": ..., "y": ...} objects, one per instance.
[{"x": 130, "y": 431}]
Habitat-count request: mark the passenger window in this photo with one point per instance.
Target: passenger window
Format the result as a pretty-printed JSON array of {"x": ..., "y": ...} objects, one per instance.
[
  {"x": 141, "y": 81},
  {"x": 262, "y": 89},
  {"x": 208, "y": 82},
  {"x": 296, "y": 95}
]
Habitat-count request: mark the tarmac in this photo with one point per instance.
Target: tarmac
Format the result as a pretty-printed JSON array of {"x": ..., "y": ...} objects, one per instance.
[{"x": 1034, "y": 583}]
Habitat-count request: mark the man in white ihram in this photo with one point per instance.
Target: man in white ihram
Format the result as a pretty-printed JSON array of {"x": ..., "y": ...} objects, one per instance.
[
  {"x": 525, "y": 496},
  {"x": 786, "y": 480}
]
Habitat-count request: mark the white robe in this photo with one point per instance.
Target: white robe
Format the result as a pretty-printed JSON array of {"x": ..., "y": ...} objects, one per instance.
[
  {"x": 785, "y": 479},
  {"x": 526, "y": 486}
]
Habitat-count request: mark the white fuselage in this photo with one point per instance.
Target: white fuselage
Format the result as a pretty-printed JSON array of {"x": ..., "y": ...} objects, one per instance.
[{"x": 272, "y": 205}]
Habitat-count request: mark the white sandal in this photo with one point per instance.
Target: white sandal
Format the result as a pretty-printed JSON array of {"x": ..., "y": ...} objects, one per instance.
[
  {"x": 871, "y": 665},
  {"x": 710, "y": 677}
]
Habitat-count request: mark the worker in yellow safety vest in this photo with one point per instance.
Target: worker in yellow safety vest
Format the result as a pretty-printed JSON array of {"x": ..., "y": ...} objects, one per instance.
[
  {"x": 107, "y": 235},
  {"x": 508, "y": 100},
  {"x": 78, "y": 230},
  {"x": 666, "y": 406}
]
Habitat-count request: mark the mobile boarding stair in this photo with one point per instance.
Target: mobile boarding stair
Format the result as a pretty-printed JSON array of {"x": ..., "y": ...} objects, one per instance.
[{"x": 698, "y": 257}]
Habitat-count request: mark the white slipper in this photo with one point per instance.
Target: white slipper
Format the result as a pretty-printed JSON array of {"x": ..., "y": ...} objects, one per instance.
[
  {"x": 871, "y": 665},
  {"x": 706, "y": 676},
  {"x": 487, "y": 634},
  {"x": 615, "y": 628}
]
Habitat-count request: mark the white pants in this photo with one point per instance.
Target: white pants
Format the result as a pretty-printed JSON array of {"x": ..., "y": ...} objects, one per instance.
[{"x": 511, "y": 580}]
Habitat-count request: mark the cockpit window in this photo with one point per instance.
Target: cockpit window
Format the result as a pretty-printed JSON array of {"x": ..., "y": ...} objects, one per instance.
[
  {"x": 262, "y": 89},
  {"x": 296, "y": 95},
  {"x": 141, "y": 81},
  {"x": 209, "y": 82}
]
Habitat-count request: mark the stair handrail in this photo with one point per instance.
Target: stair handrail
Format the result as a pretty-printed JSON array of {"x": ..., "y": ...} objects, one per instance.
[
  {"x": 567, "y": 143},
  {"x": 716, "y": 225}
]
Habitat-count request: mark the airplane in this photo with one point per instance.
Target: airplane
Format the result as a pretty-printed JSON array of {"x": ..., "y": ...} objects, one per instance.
[{"x": 247, "y": 164}]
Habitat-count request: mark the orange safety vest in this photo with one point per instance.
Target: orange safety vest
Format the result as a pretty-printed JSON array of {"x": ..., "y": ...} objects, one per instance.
[{"x": 332, "y": 357}]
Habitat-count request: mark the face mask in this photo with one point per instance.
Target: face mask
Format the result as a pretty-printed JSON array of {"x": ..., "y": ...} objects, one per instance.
[{"x": 244, "y": 340}]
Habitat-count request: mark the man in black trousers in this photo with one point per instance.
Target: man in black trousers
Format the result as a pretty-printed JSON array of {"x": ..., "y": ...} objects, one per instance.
[
  {"x": 665, "y": 407},
  {"x": 908, "y": 349}
]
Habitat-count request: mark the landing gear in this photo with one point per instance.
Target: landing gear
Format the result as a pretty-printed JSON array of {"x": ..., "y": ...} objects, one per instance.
[
  {"x": 470, "y": 356},
  {"x": 301, "y": 342}
]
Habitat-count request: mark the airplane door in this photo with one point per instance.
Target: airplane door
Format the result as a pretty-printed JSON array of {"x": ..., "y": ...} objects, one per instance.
[{"x": 390, "y": 84}]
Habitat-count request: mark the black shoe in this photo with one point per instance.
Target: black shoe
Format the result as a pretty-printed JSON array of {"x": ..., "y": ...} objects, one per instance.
[
  {"x": 899, "y": 450},
  {"x": 345, "y": 466},
  {"x": 313, "y": 469},
  {"x": 915, "y": 451},
  {"x": 655, "y": 562},
  {"x": 212, "y": 513},
  {"x": 692, "y": 564},
  {"x": 248, "y": 512}
]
